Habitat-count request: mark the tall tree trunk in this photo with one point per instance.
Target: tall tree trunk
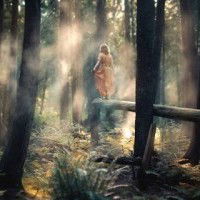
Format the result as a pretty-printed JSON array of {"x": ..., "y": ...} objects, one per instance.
[
  {"x": 12, "y": 80},
  {"x": 65, "y": 22},
  {"x": 77, "y": 80},
  {"x": 198, "y": 27},
  {"x": 162, "y": 98},
  {"x": 148, "y": 63},
  {"x": 101, "y": 19},
  {"x": 158, "y": 43},
  {"x": 133, "y": 26},
  {"x": 191, "y": 75},
  {"x": 127, "y": 21},
  {"x": 2, "y": 88},
  {"x": 1, "y": 23},
  {"x": 13, "y": 29},
  {"x": 144, "y": 90},
  {"x": 44, "y": 92},
  {"x": 12, "y": 161}
]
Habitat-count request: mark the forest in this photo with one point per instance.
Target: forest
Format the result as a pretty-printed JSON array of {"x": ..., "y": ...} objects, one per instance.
[{"x": 100, "y": 99}]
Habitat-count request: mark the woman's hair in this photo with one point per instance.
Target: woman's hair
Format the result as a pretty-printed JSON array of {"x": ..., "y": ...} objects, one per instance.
[{"x": 104, "y": 49}]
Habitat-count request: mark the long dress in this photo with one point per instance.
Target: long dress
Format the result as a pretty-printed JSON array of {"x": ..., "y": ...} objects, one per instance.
[{"x": 104, "y": 75}]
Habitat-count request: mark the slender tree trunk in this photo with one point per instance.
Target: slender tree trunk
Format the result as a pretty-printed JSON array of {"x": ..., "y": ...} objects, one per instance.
[
  {"x": 44, "y": 92},
  {"x": 2, "y": 130},
  {"x": 64, "y": 100},
  {"x": 127, "y": 21},
  {"x": 74, "y": 84},
  {"x": 162, "y": 77},
  {"x": 77, "y": 80},
  {"x": 192, "y": 74},
  {"x": 13, "y": 29},
  {"x": 148, "y": 64},
  {"x": 12, "y": 161},
  {"x": 1, "y": 23},
  {"x": 12, "y": 83},
  {"x": 101, "y": 20},
  {"x": 158, "y": 43},
  {"x": 133, "y": 26},
  {"x": 65, "y": 22},
  {"x": 162, "y": 94},
  {"x": 198, "y": 27}
]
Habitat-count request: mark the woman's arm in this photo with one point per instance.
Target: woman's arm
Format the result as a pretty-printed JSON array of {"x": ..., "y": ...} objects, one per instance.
[
  {"x": 96, "y": 66},
  {"x": 98, "y": 63}
]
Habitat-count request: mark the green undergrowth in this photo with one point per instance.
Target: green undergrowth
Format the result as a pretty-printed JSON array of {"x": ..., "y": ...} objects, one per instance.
[
  {"x": 60, "y": 165},
  {"x": 78, "y": 181}
]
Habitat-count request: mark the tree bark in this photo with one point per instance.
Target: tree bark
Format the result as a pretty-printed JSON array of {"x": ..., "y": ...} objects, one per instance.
[
  {"x": 127, "y": 21},
  {"x": 13, "y": 29},
  {"x": 12, "y": 161},
  {"x": 1, "y": 23},
  {"x": 64, "y": 100},
  {"x": 44, "y": 92},
  {"x": 192, "y": 74},
  {"x": 77, "y": 80},
  {"x": 158, "y": 43},
  {"x": 65, "y": 22},
  {"x": 11, "y": 87},
  {"x": 144, "y": 74},
  {"x": 133, "y": 26},
  {"x": 148, "y": 68},
  {"x": 101, "y": 21},
  {"x": 2, "y": 132}
]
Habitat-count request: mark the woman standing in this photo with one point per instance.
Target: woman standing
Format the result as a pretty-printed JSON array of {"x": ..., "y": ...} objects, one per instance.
[{"x": 103, "y": 72}]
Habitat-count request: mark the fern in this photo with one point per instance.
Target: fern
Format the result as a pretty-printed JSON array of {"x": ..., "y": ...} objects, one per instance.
[{"x": 70, "y": 182}]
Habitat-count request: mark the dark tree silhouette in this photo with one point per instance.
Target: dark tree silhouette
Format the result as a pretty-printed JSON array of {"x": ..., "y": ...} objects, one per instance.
[
  {"x": 1, "y": 22},
  {"x": 13, "y": 29},
  {"x": 158, "y": 43},
  {"x": 144, "y": 90},
  {"x": 101, "y": 23},
  {"x": 12, "y": 161},
  {"x": 149, "y": 44}
]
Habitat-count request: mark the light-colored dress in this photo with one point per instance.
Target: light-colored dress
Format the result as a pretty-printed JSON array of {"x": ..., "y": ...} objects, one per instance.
[{"x": 104, "y": 75}]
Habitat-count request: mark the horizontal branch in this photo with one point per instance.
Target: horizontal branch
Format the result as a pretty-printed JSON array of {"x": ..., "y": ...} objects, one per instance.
[{"x": 171, "y": 112}]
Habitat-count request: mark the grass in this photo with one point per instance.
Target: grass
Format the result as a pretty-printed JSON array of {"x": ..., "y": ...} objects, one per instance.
[
  {"x": 78, "y": 181},
  {"x": 73, "y": 176}
]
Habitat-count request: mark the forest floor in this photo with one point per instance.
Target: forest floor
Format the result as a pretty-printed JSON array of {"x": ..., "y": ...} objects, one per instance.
[{"x": 166, "y": 179}]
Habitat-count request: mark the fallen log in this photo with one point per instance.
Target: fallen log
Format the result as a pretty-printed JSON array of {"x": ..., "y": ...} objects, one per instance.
[{"x": 171, "y": 112}]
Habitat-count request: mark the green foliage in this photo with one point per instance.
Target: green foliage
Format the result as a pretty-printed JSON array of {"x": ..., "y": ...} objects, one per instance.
[
  {"x": 196, "y": 195},
  {"x": 74, "y": 183},
  {"x": 49, "y": 22},
  {"x": 38, "y": 122}
]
